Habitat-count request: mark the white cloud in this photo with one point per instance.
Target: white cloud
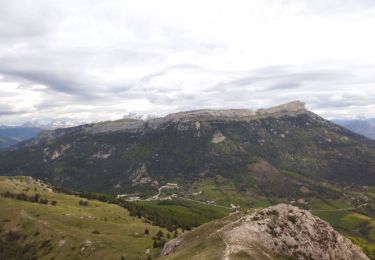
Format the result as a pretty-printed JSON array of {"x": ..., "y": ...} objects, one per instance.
[{"x": 99, "y": 60}]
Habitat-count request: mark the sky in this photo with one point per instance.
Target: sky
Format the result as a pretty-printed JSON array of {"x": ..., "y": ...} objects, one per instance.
[{"x": 100, "y": 60}]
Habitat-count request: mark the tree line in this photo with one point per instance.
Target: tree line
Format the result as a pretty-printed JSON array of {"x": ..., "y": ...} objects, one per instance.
[{"x": 36, "y": 198}]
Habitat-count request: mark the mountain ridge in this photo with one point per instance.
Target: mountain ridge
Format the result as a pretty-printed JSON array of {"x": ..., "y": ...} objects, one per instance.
[
  {"x": 131, "y": 124},
  {"x": 124, "y": 155}
]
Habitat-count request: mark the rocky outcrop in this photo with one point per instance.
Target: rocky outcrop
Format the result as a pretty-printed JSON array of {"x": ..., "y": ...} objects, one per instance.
[
  {"x": 102, "y": 155},
  {"x": 281, "y": 230},
  {"x": 140, "y": 176},
  {"x": 53, "y": 155},
  {"x": 171, "y": 246},
  {"x": 218, "y": 137},
  {"x": 288, "y": 230}
]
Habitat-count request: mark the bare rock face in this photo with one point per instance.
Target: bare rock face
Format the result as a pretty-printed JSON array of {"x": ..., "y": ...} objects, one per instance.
[
  {"x": 171, "y": 246},
  {"x": 218, "y": 137},
  {"x": 140, "y": 176},
  {"x": 287, "y": 230}
]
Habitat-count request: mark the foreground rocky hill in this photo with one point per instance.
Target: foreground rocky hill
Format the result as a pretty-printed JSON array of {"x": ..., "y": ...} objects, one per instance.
[
  {"x": 277, "y": 232},
  {"x": 280, "y": 152}
]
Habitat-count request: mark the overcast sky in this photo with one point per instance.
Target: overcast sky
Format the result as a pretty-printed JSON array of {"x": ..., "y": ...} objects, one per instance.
[{"x": 99, "y": 60}]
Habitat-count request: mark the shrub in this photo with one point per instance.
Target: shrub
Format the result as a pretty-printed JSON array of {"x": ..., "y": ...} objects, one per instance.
[
  {"x": 53, "y": 203},
  {"x": 83, "y": 203},
  {"x": 43, "y": 201}
]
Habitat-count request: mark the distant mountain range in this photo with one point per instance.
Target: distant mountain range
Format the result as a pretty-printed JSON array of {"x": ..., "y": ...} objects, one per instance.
[
  {"x": 364, "y": 127},
  {"x": 11, "y": 135},
  {"x": 283, "y": 152}
]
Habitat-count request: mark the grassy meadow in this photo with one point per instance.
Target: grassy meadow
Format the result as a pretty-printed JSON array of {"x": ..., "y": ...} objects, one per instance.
[{"x": 68, "y": 230}]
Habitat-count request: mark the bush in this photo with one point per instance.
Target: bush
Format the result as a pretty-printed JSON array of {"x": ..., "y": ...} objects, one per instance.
[
  {"x": 83, "y": 203},
  {"x": 53, "y": 203},
  {"x": 24, "y": 197},
  {"x": 43, "y": 201}
]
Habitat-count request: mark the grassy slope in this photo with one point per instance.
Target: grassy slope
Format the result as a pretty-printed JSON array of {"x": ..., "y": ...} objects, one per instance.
[
  {"x": 65, "y": 231},
  {"x": 120, "y": 235},
  {"x": 205, "y": 243},
  {"x": 199, "y": 243}
]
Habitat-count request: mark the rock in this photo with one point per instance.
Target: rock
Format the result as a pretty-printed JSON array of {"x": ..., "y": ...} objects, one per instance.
[
  {"x": 102, "y": 154},
  {"x": 140, "y": 176},
  {"x": 218, "y": 137},
  {"x": 171, "y": 246}
]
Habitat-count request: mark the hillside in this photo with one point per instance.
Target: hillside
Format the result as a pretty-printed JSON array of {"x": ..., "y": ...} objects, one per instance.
[
  {"x": 73, "y": 228},
  {"x": 278, "y": 232},
  {"x": 246, "y": 157}
]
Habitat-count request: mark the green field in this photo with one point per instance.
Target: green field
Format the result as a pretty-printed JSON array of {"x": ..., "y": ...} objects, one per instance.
[
  {"x": 67, "y": 230},
  {"x": 183, "y": 213},
  {"x": 356, "y": 225}
]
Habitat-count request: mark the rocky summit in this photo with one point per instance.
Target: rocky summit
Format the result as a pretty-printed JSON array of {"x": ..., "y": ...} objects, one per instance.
[{"x": 271, "y": 233}]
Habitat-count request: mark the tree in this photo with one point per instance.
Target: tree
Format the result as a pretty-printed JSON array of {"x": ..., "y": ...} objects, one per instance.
[
  {"x": 53, "y": 203},
  {"x": 35, "y": 198},
  {"x": 159, "y": 234},
  {"x": 147, "y": 231}
]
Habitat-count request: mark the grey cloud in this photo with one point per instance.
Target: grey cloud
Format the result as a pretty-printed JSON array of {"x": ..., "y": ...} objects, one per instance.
[
  {"x": 124, "y": 56},
  {"x": 7, "y": 110}
]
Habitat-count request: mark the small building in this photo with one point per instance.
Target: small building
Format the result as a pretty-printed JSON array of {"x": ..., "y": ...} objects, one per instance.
[{"x": 172, "y": 185}]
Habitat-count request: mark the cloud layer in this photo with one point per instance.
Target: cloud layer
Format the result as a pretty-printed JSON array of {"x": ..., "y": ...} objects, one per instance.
[{"x": 98, "y": 60}]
